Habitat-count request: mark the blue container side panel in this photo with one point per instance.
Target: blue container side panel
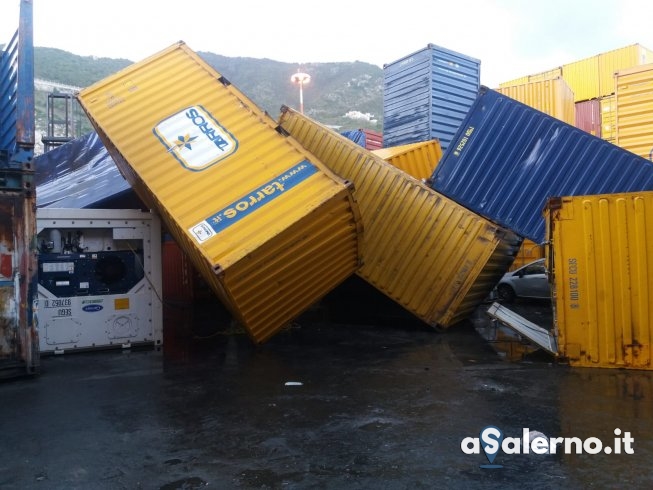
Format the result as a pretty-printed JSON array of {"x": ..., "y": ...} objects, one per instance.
[
  {"x": 406, "y": 91},
  {"x": 507, "y": 159},
  {"x": 427, "y": 95},
  {"x": 8, "y": 119},
  {"x": 17, "y": 93}
]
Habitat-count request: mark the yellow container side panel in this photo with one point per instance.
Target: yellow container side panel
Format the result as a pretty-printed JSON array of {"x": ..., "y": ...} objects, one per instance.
[
  {"x": 416, "y": 159},
  {"x": 514, "y": 81},
  {"x": 553, "y": 97},
  {"x": 432, "y": 256},
  {"x": 546, "y": 75},
  {"x": 601, "y": 268},
  {"x": 583, "y": 78},
  {"x": 528, "y": 252},
  {"x": 536, "y": 77},
  {"x": 608, "y": 118},
  {"x": 227, "y": 184},
  {"x": 634, "y": 107},
  {"x": 615, "y": 60}
]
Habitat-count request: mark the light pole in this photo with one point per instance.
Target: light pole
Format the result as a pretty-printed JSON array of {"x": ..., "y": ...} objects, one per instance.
[{"x": 300, "y": 79}]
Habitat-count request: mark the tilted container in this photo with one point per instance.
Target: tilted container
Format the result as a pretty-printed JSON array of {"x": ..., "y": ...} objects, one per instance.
[
  {"x": 268, "y": 226},
  {"x": 416, "y": 159},
  {"x": 633, "y": 110},
  {"x": 426, "y": 95},
  {"x": 429, "y": 254},
  {"x": 601, "y": 268},
  {"x": 507, "y": 159}
]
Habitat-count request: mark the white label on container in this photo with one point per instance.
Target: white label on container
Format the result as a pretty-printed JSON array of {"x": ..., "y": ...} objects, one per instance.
[{"x": 195, "y": 138}]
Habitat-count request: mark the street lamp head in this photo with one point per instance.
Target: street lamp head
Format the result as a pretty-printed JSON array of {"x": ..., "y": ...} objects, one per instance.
[{"x": 300, "y": 78}]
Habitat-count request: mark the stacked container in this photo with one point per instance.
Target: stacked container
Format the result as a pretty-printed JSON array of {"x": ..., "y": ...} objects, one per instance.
[
  {"x": 429, "y": 254},
  {"x": 19, "y": 345},
  {"x": 268, "y": 226},
  {"x": 634, "y": 106},
  {"x": 426, "y": 95},
  {"x": 593, "y": 77},
  {"x": 553, "y": 97}
]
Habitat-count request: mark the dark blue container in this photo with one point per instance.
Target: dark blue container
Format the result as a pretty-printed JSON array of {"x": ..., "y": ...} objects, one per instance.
[
  {"x": 427, "y": 94},
  {"x": 507, "y": 159},
  {"x": 19, "y": 344}
]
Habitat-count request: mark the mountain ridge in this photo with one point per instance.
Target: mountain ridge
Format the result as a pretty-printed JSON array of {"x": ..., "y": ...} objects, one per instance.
[{"x": 342, "y": 95}]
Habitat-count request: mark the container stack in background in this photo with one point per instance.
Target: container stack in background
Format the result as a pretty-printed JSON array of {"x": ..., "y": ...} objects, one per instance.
[{"x": 594, "y": 83}]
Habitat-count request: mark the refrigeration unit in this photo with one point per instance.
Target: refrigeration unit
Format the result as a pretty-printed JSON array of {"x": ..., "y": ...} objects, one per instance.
[{"x": 99, "y": 279}]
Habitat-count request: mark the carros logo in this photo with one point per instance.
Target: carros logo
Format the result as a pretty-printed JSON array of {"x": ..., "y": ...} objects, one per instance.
[
  {"x": 492, "y": 440},
  {"x": 92, "y": 308},
  {"x": 195, "y": 138}
]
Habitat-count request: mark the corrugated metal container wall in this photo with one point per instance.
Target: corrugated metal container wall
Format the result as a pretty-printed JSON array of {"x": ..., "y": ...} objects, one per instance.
[
  {"x": 588, "y": 116},
  {"x": 634, "y": 110},
  {"x": 608, "y": 118},
  {"x": 528, "y": 252},
  {"x": 373, "y": 139},
  {"x": 553, "y": 97},
  {"x": 178, "y": 285},
  {"x": 620, "y": 59},
  {"x": 508, "y": 159},
  {"x": 537, "y": 77},
  {"x": 429, "y": 254},
  {"x": 19, "y": 341},
  {"x": 416, "y": 159},
  {"x": 593, "y": 77},
  {"x": 427, "y": 94},
  {"x": 271, "y": 229},
  {"x": 583, "y": 77},
  {"x": 601, "y": 247}
]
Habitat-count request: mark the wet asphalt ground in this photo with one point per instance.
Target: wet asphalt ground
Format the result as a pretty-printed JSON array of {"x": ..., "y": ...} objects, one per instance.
[{"x": 368, "y": 398}]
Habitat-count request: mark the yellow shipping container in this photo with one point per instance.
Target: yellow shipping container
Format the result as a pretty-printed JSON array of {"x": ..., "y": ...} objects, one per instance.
[
  {"x": 553, "y": 97},
  {"x": 416, "y": 159},
  {"x": 528, "y": 252},
  {"x": 633, "y": 110},
  {"x": 431, "y": 255},
  {"x": 608, "y": 118},
  {"x": 600, "y": 262},
  {"x": 537, "y": 77},
  {"x": 269, "y": 227},
  {"x": 593, "y": 77}
]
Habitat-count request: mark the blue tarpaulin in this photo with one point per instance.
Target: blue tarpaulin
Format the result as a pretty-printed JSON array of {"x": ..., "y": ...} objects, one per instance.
[{"x": 80, "y": 174}]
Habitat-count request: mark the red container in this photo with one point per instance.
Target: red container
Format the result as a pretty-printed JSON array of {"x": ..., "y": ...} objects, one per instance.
[
  {"x": 178, "y": 274},
  {"x": 588, "y": 116},
  {"x": 373, "y": 139}
]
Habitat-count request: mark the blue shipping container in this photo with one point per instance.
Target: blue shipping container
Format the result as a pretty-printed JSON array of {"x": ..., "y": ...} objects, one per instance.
[
  {"x": 19, "y": 345},
  {"x": 507, "y": 159},
  {"x": 427, "y": 94}
]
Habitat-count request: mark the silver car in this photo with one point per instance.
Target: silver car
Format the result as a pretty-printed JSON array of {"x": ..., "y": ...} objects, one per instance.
[{"x": 529, "y": 281}]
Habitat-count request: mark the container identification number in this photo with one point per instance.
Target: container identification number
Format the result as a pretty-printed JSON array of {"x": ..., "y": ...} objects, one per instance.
[
  {"x": 57, "y": 303},
  {"x": 463, "y": 141},
  {"x": 574, "y": 292}
]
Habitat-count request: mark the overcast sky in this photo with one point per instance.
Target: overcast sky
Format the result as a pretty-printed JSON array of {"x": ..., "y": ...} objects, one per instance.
[{"x": 512, "y": 38}]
